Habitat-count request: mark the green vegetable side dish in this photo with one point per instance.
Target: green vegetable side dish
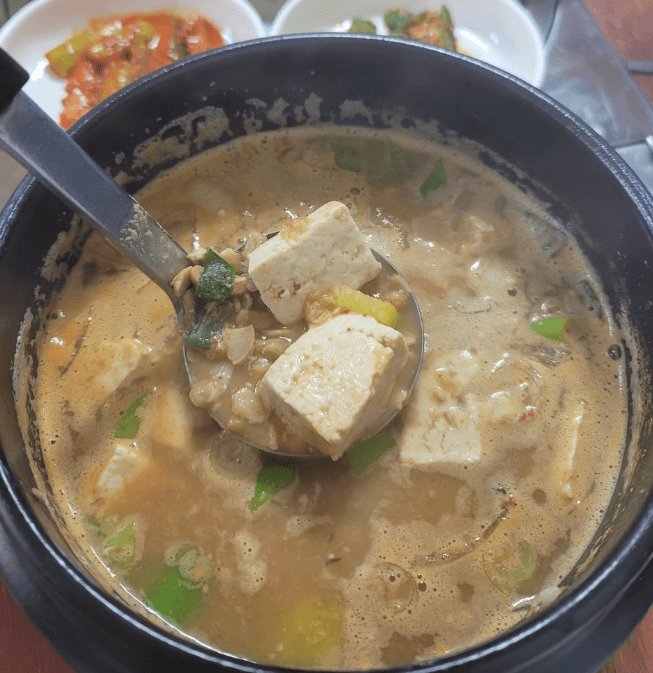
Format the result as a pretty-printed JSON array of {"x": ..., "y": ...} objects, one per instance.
[
  {"x": 217, "y": 279},
  {"x": 430, "y": 26},
  {"x": 551, "y": 328},
  {"x": 362, "y": 455},
  {"x": 130, "y": 421},
  {"x": 395, "y": 20},
  {"x": 362, "y": 26},
  {"x": 511, "y": 566}
]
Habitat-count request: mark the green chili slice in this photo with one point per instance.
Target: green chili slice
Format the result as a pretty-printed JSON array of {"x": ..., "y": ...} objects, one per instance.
[
  {"x": 272, "y": 478},
  {"x": 130, "y": 422},
  {"x": 362, "y": 455},
  {"x": 437, "y": 178},
  {"x": 170, "y": 596},
  {"x": 551, "y": 328},
  {"x": 400, "y": 160},
  {"x": 348, "y": 158}
]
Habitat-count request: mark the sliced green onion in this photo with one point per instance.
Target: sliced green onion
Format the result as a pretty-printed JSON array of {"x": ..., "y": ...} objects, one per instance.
[
  {"x": 362, "y": 455},
  {"x": 551, "y": 328},
  {"x": 511, "y": 566},
  {"x": 120, "y": 547},
  {"x": 437, "y": 178},
  {"x": 130, "y": 422},
  {"x": 195, "y": 567},
  {"x": 272, "y": 478}
]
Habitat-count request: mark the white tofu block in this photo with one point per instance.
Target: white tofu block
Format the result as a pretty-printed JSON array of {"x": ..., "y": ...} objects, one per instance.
[
  {"x": 175, "y": 419},
  {"x": 126, "y": 463},
  {"x": 116, "y": 362},
  {"x": 564, "y": 464},
  {"x": 334, "y": 384},
  {"x": 452, "y": 437},
  {"x": 314, "y": 253}
]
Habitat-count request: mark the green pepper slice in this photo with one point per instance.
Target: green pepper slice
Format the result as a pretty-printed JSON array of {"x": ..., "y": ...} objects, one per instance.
[
  {"x": 362, "y": 455},
  {"x": 63, "y": 57},
  {"x": 130, "y": 422},
  {"x": 272, "y": 478},
  {"x": 437, "y": 178},
  {"x": 551, "y": 328}
]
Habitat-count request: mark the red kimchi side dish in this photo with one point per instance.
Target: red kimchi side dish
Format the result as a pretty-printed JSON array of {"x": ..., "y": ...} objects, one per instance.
[{"x": 114, "y": 51}]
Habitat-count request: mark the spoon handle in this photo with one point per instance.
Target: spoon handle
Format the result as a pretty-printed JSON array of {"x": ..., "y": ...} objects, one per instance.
[{"x": 38, "y": 143}]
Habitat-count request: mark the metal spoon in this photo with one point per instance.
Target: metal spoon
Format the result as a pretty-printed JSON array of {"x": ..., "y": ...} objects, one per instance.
[{"x": 29, "y": 135}]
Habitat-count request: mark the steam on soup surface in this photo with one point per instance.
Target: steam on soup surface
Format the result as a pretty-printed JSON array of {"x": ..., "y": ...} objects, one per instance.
[{"x": 502, "y": 461}]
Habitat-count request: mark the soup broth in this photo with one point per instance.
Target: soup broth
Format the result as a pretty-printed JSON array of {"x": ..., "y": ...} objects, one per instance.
[{"x": 502, "y": 461}]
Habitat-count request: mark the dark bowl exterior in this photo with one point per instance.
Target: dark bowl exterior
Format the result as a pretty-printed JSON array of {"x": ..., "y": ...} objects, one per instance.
[{"x": 527, "y": 137}]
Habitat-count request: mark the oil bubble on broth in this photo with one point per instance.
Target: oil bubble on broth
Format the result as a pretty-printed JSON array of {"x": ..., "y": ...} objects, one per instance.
[{"x": 488, "y": 488}]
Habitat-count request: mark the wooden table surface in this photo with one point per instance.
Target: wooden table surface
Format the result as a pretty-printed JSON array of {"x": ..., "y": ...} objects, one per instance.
[{"x": 629, "y": 26}]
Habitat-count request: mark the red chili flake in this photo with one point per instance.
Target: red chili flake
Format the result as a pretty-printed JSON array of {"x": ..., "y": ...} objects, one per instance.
[
  {"x": 60, "y": 368},
  {"x": 349, "y": 329},
  {"x": 345, "y": 310},
  {"x": 298, "y": 287},
  {"x": 473, "y": 515},
  {"x": 512, "y": 502},
  {"x": 522, "y": 417},
  {"x": 531, "y": 412}
]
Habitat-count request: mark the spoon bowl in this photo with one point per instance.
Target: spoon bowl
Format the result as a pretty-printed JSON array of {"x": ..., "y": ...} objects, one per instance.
[{"x": 29, "y": 135}]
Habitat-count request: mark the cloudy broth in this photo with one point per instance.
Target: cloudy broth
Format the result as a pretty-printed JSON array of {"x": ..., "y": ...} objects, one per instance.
[{"x": 504, "y": 458}]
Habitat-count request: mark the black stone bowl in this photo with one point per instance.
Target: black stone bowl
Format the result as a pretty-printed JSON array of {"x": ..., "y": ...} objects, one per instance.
[{"x": 513, "y": 128}]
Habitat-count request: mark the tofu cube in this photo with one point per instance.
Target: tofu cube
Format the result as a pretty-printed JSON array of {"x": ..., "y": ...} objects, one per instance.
[
  {"x": 126, "y": 463},
  {"x": 334, "y": 384},
  {"x": 433, "y": 434},
  {"x": 309, "y": 254}
]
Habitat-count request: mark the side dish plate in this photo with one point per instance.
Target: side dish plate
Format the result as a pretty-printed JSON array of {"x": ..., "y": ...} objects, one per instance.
[
  {"x": 499, "y": 32},
  {"x": 43, "y": 24}
]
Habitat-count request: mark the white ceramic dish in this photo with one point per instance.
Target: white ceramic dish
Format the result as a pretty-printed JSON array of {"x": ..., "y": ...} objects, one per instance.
[
  {"x": 499, "y": 32},
  {"x": 43, "y": 24}
]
